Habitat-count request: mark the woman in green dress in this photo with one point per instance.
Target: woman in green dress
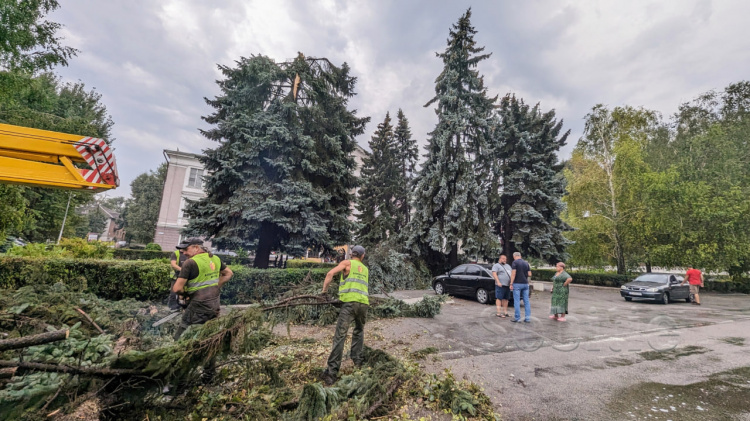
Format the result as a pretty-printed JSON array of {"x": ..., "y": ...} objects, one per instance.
[{"x": 560, "y": 292}]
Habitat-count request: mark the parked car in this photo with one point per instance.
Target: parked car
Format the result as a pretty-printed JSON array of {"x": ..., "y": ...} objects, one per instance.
[
  {"x": 471, "y": 280},
  {"x": 661, "y": 287}
]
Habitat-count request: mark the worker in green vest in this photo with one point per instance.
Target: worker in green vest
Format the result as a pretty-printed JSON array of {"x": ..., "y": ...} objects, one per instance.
[
  {"x": 200, "y": 279},
  {"x": 353, "y": 293},
  {"x": 178, "y": 259}
]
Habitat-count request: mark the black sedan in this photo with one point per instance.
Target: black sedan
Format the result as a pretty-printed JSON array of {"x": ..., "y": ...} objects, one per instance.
[
  {"x": 472, "y": 280},
  {"x": 661, "y": 287}
]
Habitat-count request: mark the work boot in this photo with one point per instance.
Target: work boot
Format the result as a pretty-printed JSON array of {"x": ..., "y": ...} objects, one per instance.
[{"x": 328, "y": 378}]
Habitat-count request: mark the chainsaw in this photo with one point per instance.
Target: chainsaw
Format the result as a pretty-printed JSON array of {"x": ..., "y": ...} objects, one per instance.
[{"x": 183, "y": 303}]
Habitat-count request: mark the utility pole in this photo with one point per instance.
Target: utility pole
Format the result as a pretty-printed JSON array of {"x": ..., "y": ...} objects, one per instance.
[{"x": 70, "y": 194}]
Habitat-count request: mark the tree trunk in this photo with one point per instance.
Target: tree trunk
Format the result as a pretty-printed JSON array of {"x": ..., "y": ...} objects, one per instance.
[
  {"x": 61, "y": 368},
  {"x": 31, "y": 340},
  {"x": 8, "y": 373},
  {"x": 619, "y": 255},
  {"x": 453, "y": 256},
  {"x": 265, "y": 243}
]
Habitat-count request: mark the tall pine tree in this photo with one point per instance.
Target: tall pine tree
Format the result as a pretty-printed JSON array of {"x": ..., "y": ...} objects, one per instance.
[
  {"x": 407, "y": 155},
  {"x": 527, "y": 182},
  {"x": 376, "y": 199},
  {"x": 282, "y": 175},
  {"x": 451, "y": 208}
]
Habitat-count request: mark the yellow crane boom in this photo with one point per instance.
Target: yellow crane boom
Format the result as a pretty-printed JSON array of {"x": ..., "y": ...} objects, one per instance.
[{"x": 43, "y": 158}]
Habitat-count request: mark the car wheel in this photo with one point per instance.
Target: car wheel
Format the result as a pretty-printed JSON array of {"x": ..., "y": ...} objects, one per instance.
[
  {"x": 665, "y": 298},
  {"x": 439, "y": 288},
  {"x": 628, "y": 299},
  {"x": 482, "y": 296}
]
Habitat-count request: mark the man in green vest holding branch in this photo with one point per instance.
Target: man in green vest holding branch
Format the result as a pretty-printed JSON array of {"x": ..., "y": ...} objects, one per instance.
[
  {"x": 353, "y": 293},
  {"x": 200, "y": 279}
]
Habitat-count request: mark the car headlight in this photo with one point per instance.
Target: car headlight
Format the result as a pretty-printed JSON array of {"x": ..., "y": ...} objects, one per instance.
[
  {"x": 653, "y": 290},
  {"x": 623, "y": 287}
]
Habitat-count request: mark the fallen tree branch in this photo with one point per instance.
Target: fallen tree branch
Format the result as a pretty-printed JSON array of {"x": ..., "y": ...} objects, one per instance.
[
  {"x": 317, "y": 303},
  {"x": 382, "y": 399},
  {"x": 8, "y": 373},
  {"x": 31, "y": 340},
  {"x": 90, "y": 320},
  {"x": 62, "y": 368}
]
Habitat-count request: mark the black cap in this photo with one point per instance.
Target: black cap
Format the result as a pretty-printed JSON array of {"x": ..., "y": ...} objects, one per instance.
[
  {"x": 182, "y": 246},
  {"x": 194, "y": 242}
]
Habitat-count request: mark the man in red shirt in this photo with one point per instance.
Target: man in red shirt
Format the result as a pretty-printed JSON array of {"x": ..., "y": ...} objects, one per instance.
[{"x": 695, "y": 278}]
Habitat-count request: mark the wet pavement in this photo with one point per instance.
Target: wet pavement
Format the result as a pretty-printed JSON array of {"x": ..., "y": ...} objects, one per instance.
[{"x": 582, "y": 368}]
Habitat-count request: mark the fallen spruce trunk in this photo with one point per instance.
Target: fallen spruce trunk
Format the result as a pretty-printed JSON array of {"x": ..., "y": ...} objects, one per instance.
[
  {"x": 69, "y": 369},
  {"x": 31, "y": 340}
]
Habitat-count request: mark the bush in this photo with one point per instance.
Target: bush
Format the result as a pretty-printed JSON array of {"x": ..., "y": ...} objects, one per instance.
[
  {"x": 76, "y": 248},
  {"x": 303, "y": 264},
  {"x": 153, "y": 247},
  {"x": 722, "y": 284},
  {"x": 130, "y": 254},
  {"x": 144, "y": 280},
  {"x": 251, "y": 284},
  {"x": 604, "y": 279},
  {"x": 391, "y": 270}
]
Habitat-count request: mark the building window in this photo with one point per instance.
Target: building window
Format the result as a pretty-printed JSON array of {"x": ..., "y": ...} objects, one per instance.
[{"x": 196, "y": 178}]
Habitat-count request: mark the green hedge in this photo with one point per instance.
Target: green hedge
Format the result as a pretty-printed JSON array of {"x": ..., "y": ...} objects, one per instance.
[
  {"x": 128, "y": 254},
  {"x": 144, "y": 280},
  {"x": 111, "y": 279},
  {"x": 585, "y": 278},
  {"x": 302, "y": 264},
  {"x": 715, "y": 284}
]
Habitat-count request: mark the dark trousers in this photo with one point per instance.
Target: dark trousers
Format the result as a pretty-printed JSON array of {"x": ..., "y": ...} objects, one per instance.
[
  {"x": 172, "y": 300},
  {"x": 350, "y": 312},
  {"x": 197, "y": 314}
]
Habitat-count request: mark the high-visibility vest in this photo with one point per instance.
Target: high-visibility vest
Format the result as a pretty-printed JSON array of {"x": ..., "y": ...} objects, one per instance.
[
  {"x": 208, "y": 273},
  {"x": 354, "y": 287}
]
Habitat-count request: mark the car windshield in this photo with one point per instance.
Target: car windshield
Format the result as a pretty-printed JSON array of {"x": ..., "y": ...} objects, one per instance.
[{"x": 659, "y": 279}]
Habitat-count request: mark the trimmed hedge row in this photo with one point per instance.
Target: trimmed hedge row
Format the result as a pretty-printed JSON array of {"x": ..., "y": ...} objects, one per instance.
[
  {"x": 302, "y": 264},
  {"x": 128, "y": 254},
  {"x": 716, "y": 284},
  {"x": 144, "y": 280},
  {"x": 585, "y": 278}
]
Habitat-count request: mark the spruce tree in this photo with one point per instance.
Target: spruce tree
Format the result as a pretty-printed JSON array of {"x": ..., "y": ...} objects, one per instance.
[
  {"x": 450, "y": 200},
  {"x": 406, "y": 155},
  {"x": 376, "y": 199},
  {"x": 281, "y": 177},
  {"x": 527, "y": 182}
]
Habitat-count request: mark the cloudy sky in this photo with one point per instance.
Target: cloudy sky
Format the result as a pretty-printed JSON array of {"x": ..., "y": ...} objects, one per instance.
[{"x": 155, "y": 61}]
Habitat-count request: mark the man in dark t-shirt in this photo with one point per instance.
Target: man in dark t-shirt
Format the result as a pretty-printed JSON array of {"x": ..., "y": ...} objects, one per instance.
[
  {"x": 520, "y": 275},
  {"x": 203, "y": 293}
]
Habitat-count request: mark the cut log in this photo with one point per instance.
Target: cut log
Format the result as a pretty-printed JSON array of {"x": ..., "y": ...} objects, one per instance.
[
  {"x": 31, "y": 340},
  {"x": 61, "y": 368},
  {"x": 8, "y": 373}
]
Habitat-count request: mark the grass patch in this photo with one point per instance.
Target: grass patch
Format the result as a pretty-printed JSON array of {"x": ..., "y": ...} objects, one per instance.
[
  {"x": 734, "y": 340},
  {"x": 673, "y": 354},
  {"x": 618, "y": 362},
  {"x": 418, "y": 355}
]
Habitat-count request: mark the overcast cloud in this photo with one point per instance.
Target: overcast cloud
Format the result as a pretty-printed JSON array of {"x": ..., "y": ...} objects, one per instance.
[{"x": 154, "y": 61}]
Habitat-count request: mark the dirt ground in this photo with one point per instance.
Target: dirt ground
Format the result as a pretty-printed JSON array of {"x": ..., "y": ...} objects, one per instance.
[{"x": 612, "y": 359}]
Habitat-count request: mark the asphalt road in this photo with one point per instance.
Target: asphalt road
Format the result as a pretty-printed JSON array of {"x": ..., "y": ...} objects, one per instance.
[{"x": 611, "y": 360}]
